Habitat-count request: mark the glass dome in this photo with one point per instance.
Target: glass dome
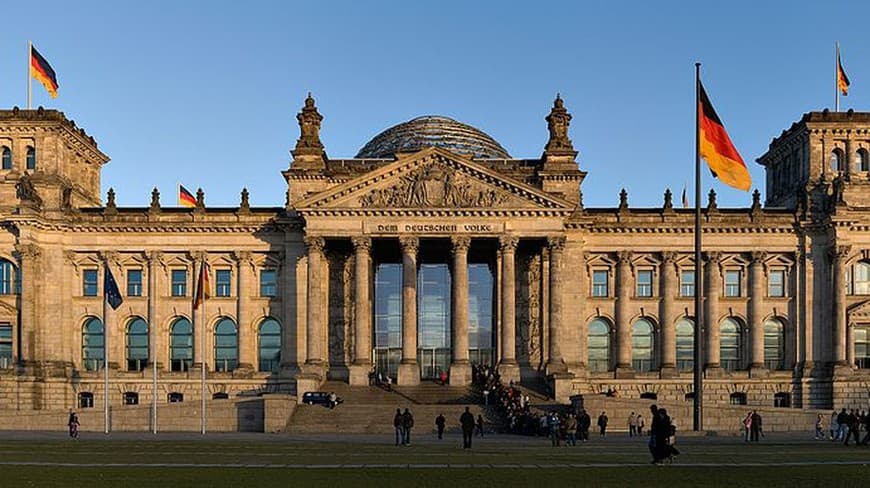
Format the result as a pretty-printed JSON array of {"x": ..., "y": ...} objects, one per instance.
[{"x": 433, "y": 131}]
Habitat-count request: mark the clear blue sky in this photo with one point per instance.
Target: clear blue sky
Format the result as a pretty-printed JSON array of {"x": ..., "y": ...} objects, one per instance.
[{"x": 206, "y": 93}]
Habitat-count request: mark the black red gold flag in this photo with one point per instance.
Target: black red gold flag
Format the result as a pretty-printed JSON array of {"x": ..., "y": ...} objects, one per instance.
[
  {"x": 716, "y": 147},
  {"x": 42, "y": 71}
]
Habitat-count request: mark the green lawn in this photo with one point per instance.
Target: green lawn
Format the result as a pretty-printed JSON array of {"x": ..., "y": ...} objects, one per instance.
[{"x": 503, "y": 462}]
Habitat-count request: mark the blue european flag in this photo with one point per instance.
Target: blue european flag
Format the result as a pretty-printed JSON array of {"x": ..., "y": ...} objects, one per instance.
[{"x": 110, "y": 287}]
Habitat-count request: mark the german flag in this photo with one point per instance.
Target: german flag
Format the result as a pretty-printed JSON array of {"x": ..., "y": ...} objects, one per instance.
[
  {"x": 202, "y": 286},
  {"x": 185, "y": 198},
  {"x": 716, "y": 147},
  {"x": 41, "y": 70},
  {"x": 842, "y": 79}
]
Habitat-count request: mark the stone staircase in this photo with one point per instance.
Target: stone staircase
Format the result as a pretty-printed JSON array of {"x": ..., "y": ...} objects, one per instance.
[{"x": 371, "y": 409}]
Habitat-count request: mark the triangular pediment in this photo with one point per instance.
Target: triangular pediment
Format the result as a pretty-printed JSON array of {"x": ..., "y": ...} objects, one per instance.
[
  {"x": 859, "y": 312},
  {"x": 434, "y": 179}
]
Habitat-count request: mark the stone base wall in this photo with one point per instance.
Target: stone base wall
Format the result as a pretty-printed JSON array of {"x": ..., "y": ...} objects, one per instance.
[{"x": 851, "y": 392}]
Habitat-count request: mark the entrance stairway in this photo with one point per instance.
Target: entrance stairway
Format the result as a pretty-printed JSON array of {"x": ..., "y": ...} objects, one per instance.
[{"x": 368, "y": 409}]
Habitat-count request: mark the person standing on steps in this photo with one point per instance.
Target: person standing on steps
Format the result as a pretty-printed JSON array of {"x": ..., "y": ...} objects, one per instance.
[
  {"x": 407, "y": 424},
  {"x": 440, "y": 421},
  {"x": 583, "y": 424},
  {"x": 632, "y": 424},
  {"x": 602, "y": 424},
  {"x": 480, "y": 425},
  {"x": 398, "y": 425},
  {"x": 466, "y": 421}
]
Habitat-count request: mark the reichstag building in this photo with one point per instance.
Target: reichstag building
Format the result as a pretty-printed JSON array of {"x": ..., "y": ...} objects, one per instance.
[{"x": 432, "y": 250}]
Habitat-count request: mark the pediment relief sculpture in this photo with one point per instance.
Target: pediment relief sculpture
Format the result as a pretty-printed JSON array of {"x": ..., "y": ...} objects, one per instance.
[{"x": 435, "y": 186}]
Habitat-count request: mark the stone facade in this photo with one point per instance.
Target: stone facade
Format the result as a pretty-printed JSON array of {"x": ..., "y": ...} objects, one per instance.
[{"x": 788, "y": 294}]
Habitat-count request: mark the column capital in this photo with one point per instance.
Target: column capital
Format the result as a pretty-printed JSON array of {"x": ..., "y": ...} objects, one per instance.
[
  {"x": 28, "y": 251},
  {"x": 154, "y": 257},
  {"x": 624, "y": 257},
  {"x": 410, "y": 244},
  {"x": 199, "y": 256},
  {"x": 243, "y": 257},
  {"x": 361, "y": 243},
  {"x": 508, "y": 242},
  {"x": 314, "y": 243},
  {"x": 669, "y": 258},
  {"x": 758, "y": 257},
  {"x": 460, "y": 243},
  {"x": 712, "y": 257},
  {"x": 840, "y": 253},
  {"x": 556, "y": 243},
  {"x": 110, "y": 257}
]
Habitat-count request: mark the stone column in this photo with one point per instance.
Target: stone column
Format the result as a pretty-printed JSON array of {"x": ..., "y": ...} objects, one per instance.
[
  {"x": 28, "y": 258},
  {"x": 840, "y": 254},
  {"x": 668, "y": 289},
  {"x": 314, "y": 319},
  {"x": 362, "y": 319},
  {"x": 556, "y": 363},
  {"x": 409, "y": 370},
  {"x": 460, "y": 368},
  {"x": 623, "y": 326},
  {"x": 244, "y": 289},
  {"x": 159, "y": 348},
  {"x": 508, "y": 367},
  {"x": 756, "y": 320},
  {"x": 712, "y": 287}
]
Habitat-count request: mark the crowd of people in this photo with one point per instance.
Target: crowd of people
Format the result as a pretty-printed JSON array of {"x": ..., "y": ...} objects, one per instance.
[{"x": 846, "y": 426}]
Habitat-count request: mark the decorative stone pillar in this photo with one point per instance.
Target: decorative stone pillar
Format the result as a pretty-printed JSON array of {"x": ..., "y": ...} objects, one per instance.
[
  {"x": 623, "y": 326},
  {"x": 158, "y": 346},
  {"x": 460, "y": 368},
  {"x": 314, "y": 322},
  {"x": 756, "y": 321},
  {"x": 362, "y": 364},
  {"x": 668, "y": 289},
  {"x": 409, "y": 370},
  {"x": 840, "y": 254},
  {"x": 508, "y": 367},
  {"x": 850, "y": 160},
  {"x": 29, "y": 261},
  {"x": 246, "y": 287},
  {"x": 712, "y": 287},
  {"x": 556, "y": 363}
]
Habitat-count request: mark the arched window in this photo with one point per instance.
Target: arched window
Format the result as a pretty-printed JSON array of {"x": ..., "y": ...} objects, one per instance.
[
  {"x": 685, "y": 345},
  {"x": 269, "y": 341},
  {"x": 774, "y": 345},
  {"x": 8, "y": 278},
  {"x": 862, "y": 163},
  {"x": 862, "y": 278},
  {"x": 598, "y": 345},
  {"x": 31, "y": 158},
  {"x": 226, "y": 345},
  {"x": 737, "y": 398},
  {"x": 7, "y": 158},
  {"x": 642, "y": 345},
  {"x": 862, "y": 346},
  {"x": 175, "y": 397},
  {"x": 86, "y": 399},
  {"x": 93, "y": 344},
  {"x": 137, "y": 345},
  {"x": 180, "y": 345},
  {"x": 838, "y": 162},
  {"x": 730, "y": 345},
  {"x": 131, "y": 398}
]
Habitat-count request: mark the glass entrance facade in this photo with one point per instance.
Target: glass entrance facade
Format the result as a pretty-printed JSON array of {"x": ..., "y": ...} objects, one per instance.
[
  {"x": 388, "y": 318},
  {"x": 481, "y": 330},
  {"x": 433, "y": 319}
]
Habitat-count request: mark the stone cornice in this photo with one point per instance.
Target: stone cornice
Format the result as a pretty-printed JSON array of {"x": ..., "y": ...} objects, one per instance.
[{"x": 435, "y": 212}]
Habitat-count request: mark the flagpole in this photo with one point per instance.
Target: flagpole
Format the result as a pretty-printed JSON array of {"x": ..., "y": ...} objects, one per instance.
[
  {"x": 105, "y": 357},
  {"x": 837, "y": 76},
  {"x": 698, "y": 400},
  {"x": 153, "y": 360},
  {"x": 201, "y": 292},
  {"x": 30, "y": 88}
]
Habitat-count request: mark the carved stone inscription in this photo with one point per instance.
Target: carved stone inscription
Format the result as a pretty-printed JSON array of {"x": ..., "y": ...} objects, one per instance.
[
  {"x": 435, "y": 186},
  {"x": 432, "y": 228}
]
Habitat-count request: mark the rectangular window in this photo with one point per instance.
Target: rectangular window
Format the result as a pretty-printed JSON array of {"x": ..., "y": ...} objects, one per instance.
[
  {"x": 222, "y": 285},
  {"x": 776, "y": 283},
  {"x": 644, "y": 283},
  {"x": 599, "y": 283},
  {"x": 732, "y": 283},
  {"x": 89, "y": 283},
  {"x": 179, "y": 282},
  {"x": 687, "y": 283},
  {"x": 134, "y": 282},
  {"x": 268, "y": 283},
  {"x": 5, "y": 346}
]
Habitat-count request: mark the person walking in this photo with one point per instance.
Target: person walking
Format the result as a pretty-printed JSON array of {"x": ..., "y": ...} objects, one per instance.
[
  {"x": 866, "y": 440},
  {"x": 466, "y": 422},
  {"x": 398, "y": 425},
  {"x": 755, "y": 426},
  {"x": 835, "y": 426},
  {"x": 852, "y": 423},
  {"x": 842, "y": 424},
  {"x": 480, "y": 425},
  {"x": 602, "y": 424},
  {"x": 440, "y": 421},
  {"x": 820, "y": 429},
  {"x": 747, "y": 425},
  {"x": 571, "y": 430},
  {"x": 73, "y": 424},
  {"x": 407, "y": 424},
  {"x": 554, "y": 429},
  {"x": 632, "y": 424},
  {"x": 583, "y": 424},
  {"x": 638, "y": 430}
]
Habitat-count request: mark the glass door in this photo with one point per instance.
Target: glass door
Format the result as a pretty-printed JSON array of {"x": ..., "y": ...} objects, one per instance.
[
  {"x": 433, "y": 322},
  {"x": 388, "y": 318}
]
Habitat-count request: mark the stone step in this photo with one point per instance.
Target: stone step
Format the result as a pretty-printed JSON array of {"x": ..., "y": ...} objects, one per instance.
[{"x": 378, "y": 418}]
